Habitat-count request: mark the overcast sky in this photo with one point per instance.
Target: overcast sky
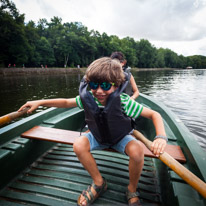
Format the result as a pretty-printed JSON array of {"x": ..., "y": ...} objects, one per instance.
[{"x": 175, "y": 24}]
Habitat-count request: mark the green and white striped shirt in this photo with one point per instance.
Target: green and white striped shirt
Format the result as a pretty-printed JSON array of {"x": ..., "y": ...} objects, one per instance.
[{"x": 129, "y": 106}]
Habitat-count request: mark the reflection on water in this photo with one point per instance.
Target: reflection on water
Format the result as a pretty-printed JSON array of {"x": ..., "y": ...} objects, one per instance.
[
  {"x": 15, "y": 91},
  {"x": 183, "y": 91}
]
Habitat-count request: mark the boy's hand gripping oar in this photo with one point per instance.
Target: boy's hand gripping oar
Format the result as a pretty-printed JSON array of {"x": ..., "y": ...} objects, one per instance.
[
  {"x": 183, "y": 172},
  {"x": 11, "y": 116}
]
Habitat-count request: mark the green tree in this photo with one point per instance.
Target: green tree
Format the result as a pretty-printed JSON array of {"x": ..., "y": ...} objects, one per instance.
[
  {"x": 33, "y": 38},
  {"x": 14, "y": 44},
  {"x": 44, "y": 53},
  {"x": 83, "y": 45},
  {"x": 146, "y": 54},
  {"x": 160, "y": 60},
  {"x": 197, "y": 61},
  {"x": 115, "y": 43},
  {"x": 171, "y": 58},
  {"x": 54, "y": 33},
  {"x": 129, "y": 50},
  {"x": 182, "y": 62},
  {"x": 104, "y": 46}
]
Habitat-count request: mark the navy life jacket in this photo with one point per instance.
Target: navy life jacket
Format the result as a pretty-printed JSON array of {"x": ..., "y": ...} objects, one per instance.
[
  {"x": 109, "y": 124},
  {"x": 128, "y": 90}
]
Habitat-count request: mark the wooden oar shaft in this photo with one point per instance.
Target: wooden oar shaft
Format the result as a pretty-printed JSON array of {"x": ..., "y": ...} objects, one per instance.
[
  {"x": 11, "y": 116},
  {"x": 179, "y": 169}
]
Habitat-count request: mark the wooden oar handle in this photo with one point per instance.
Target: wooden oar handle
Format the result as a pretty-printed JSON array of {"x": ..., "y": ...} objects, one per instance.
[
  {"x": 142, "y": 138},
  {"x": 11, "y": 116},
  {"x": 183, "y": 172}
]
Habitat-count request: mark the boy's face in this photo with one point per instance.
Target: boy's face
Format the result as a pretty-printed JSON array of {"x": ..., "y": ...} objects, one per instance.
[{"x": 102, "y": 95}]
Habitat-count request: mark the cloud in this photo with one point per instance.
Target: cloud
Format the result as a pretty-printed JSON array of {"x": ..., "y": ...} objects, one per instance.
[
  {"x": 48, "y": 8},
  {"x": 160, "y": 20},
  {"x": 187, "y": 48}
]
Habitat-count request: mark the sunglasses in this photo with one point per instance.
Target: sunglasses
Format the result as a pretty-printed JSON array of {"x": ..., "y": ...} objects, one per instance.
[{"x": 104, "y": 85}]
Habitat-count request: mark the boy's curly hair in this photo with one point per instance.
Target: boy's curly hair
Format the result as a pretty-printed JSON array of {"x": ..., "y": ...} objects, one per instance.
[{"x": 105, "y": 69}]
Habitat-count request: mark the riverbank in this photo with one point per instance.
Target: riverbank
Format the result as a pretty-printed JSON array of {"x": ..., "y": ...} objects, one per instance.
[
  {"x": 153, "y": 69},
  {"x": 39, "y": 71},
  {"x": 55, "y": 71}
]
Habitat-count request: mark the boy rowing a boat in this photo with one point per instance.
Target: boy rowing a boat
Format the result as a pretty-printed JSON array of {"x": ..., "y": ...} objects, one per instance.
[{"x": 108, "y": 113}]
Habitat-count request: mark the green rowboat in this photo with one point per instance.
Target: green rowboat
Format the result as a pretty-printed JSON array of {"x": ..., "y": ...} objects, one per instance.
[{"x": 36, "y": 172}]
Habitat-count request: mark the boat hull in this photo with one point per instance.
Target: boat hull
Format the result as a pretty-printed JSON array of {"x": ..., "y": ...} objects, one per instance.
[{"x": 34, "y": 170}]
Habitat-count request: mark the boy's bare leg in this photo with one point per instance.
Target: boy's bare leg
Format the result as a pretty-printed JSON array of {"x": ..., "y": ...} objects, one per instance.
[
  {"x": 136, "y": 162},
  {"x": 82, "y": 149}
]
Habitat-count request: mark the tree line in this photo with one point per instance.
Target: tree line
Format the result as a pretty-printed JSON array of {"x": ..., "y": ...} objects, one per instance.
[{"x": 58, "y": 44}]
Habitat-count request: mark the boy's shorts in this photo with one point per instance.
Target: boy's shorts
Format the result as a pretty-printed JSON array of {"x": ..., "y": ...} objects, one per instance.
[{"x": 120, "y": 146}]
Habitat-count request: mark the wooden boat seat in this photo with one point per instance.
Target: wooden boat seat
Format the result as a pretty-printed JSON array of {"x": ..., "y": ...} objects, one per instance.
[{"x": 68, "y": 137}]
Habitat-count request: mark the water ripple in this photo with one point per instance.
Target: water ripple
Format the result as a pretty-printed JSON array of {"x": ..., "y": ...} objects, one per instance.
[{"x": 183, "y": 92}]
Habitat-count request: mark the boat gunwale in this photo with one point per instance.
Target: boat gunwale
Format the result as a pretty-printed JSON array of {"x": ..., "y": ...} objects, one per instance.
[{"x": 189, "y": 140}]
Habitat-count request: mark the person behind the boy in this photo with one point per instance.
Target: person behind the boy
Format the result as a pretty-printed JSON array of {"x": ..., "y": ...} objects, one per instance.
[
  {"x": 131, "y": 88},
  {"x": 106, "y": 79}
]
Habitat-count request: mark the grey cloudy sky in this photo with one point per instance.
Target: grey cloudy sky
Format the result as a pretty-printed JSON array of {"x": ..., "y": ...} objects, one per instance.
[{"x": 175, "y": 24}]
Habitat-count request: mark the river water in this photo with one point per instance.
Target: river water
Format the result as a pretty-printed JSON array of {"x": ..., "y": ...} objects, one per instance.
[{"x": 183, "y": 91}]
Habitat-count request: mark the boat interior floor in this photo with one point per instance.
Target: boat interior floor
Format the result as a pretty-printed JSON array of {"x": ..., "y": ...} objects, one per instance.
[{"x": 57, "y": 178}]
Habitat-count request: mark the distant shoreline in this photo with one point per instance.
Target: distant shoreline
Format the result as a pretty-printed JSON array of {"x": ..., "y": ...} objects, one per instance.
[
  {"x": 39, "y": 71},
  {"x": 55, "y": 71},
  {"x": 153, "y": 69}
]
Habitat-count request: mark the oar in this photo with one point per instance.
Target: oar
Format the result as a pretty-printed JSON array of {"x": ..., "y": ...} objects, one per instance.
[
  {"x": 11, "y": 116},
  {"x": 183, "y": 172}
]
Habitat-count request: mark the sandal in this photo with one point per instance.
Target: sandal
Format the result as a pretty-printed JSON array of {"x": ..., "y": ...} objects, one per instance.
[
  {"x": 88, "y": 195},
  {"x": 130, "y": 195}
]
